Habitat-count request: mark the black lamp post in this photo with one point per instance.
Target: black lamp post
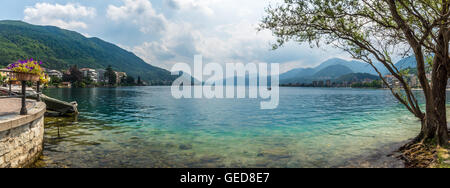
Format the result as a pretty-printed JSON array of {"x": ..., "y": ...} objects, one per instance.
[
  {"x": 38, "y": 90},
  {"x": 10, "y": 91},
  {"x": 23, "y": 110}
]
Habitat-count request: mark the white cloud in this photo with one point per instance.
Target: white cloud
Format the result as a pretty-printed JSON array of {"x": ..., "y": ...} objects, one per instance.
[
  {"x": 67, "y": 16},
  {"x": 232, "y": 42},
  {"x": 225, "y": 31},
  {"x": 226, "y": 43},
  {"x": 152, "y": 51},
  {"x": 176, "y": 45},
  {"x": 139, "y": 12},
  {"x": 188, "y": 5}
]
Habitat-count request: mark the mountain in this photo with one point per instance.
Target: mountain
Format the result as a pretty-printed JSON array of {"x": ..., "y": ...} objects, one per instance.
[
  {"x": 355, "y": 66},
  {"x": 327, "y": 73},
  {"x": 332, "y": 72},
  {"x": 60, "y": 49},
  {"x": 296, "y": 72},
  {"x": 360, "y": 71},
  {"x": 338, "y": 68},
  {"x": 357, "y": 77},
  {"x": 409, "y": 62}
]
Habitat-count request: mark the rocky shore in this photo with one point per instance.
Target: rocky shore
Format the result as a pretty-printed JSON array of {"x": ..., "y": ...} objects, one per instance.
[{"x": 425, "y": 156}]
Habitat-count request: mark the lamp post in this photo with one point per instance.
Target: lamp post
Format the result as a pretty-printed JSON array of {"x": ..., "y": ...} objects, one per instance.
[
  {"x": 23, "y": 110},
  {"x": 10, "y": 91},
  {"x": 38, "y": 90}
]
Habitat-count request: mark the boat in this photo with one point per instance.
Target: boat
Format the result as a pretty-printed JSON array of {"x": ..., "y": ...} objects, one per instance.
[{"x": 55, "y": 105}]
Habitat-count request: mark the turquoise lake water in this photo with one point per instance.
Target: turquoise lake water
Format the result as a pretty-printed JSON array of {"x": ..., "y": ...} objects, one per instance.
[{"x": 147, "y": 127}]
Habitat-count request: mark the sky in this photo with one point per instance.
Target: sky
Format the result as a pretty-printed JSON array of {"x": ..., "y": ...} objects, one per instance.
[{"x": 166, "y": 32}]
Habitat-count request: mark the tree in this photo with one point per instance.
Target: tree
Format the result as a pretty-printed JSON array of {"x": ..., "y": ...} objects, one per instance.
[
  {"x": 110, "y": 75},
  {"x": 129, "y": 80},
  {"x": 74, "y": 75},
  {"x": 88, "y": 81},
  {"x": 54, "y": 80},
  {"x": 376, "y": 30},
  {"x": 139, "y": 81}
]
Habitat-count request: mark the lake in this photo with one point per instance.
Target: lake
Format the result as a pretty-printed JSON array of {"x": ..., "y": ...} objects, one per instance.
[{"x": 147, "y": 127}]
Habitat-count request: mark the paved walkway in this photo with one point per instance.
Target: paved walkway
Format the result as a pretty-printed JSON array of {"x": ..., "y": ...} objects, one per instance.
[{"x": 11, "y": 106}]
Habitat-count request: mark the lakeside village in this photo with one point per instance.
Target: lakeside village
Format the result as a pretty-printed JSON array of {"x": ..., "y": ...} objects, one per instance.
[
  {"x": 83, "y": 78},
  {"x": 89, "y": 77},
  {"x": 412, "y": 79}
]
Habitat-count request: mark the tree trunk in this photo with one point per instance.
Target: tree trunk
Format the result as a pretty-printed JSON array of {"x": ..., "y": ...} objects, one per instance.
[
  {"x": 434, "y": 125},
  {"x": 439, "y": 94}
]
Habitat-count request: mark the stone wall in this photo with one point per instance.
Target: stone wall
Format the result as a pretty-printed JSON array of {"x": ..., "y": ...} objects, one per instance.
[{"x": 21, "y": 138}]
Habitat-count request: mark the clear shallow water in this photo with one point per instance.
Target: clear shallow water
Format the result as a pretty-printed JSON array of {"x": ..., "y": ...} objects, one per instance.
[{"x": 146, "y": 127}]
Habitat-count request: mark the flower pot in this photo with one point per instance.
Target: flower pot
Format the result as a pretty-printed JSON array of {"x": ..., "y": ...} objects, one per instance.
[
  {"x": 15, "y": 82},
  {"x": 26, "y": 77}
]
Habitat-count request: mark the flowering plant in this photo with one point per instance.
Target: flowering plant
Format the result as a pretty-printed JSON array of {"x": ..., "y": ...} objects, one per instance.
[
  {"x": 44, "y": 78},
  {"x": 29, "y": 66},
  {"x": 2, "y": 79}
]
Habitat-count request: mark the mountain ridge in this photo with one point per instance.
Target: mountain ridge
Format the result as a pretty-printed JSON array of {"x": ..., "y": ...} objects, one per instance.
[
  {"x": 332, "y": 72},
  {"x": 306, "y": 75},
  {"x": 59, "y": 49}
]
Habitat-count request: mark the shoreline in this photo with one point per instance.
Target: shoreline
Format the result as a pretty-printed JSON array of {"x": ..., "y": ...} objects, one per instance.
[{"x": 385, "y": 156}]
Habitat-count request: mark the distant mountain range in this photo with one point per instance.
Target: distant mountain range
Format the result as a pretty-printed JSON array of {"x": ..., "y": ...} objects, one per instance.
[
  {"x": 354, "y": 66},
  {"x": 60, "y": 49},
  {"x": 406, "y": 63},
  {"x": 332, "y": 72},
  {"x": 336, "y": 70},
  {"x": 341, "y": 70}
]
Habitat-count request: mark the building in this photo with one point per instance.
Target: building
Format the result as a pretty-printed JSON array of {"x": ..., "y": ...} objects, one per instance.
[
  {"x": 328, "y": 83},
  {"x": 413, "y": 81},
  {"x": 120, "y": 76},
  {"x": 344, "y": 84},
  {"x": 90, "y": 73},
  {"x": 101, "y": 75},
  {"x": 54, "y": 73},
  {"x": 392, "y": 81},
  {"x": 367, "y": 80},
  {"x": 321, "y": 83},
  {"x": 315, "y": 84},
  {"x": 65, "y": 85}
]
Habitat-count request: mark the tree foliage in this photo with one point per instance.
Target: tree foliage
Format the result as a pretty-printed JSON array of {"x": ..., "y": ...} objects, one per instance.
[
  {"x": 373, "y": 84},
  {"x": 129, "y": 80},
  {"x": 74, "y": 75},
  {"x": 111, "y": 76},
  {"x": 139, "y": 81}
]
